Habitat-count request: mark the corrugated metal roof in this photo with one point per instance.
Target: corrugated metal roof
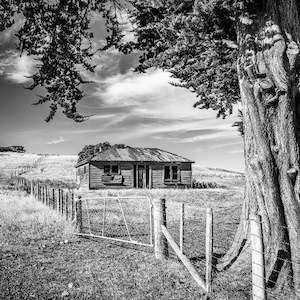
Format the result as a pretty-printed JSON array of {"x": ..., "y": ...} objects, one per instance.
[{"x": 130, "y": 154}]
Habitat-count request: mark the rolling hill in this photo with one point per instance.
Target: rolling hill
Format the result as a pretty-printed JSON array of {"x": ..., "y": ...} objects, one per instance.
[{"x": 61, "y": 168}]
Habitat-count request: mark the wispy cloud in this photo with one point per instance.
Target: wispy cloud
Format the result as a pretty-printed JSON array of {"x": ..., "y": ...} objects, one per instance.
[
  {"x": 236, "y": 151},
  {"x": 149, "y": 107},
  {"x": 56, "y": 141},
  {"x": 228, "y": 144},
  {"x": 16, "y": 68},
  {"x": 8, "y": 35}
]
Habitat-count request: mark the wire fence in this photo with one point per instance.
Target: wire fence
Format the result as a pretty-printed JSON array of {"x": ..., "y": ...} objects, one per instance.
[
  {"x": 129, "y": 219},
  {"x": 123, "y": 219}
]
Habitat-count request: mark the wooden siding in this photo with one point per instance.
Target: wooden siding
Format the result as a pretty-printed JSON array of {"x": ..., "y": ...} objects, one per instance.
[
  {"x": 186, "y": 174},
  {"x": 127, "y": 173},
  {"x": 93, "y": 179},
  {"x": 83, "y": 177},
  {"x": 158, "y": 176},
  {"x": 97, "y": 171}
]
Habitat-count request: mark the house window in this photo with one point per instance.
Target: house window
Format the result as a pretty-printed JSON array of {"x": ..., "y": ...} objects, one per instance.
[
  {"x": 84, "y": 169},
  {"x": 106, "y": 169},
  {"x": 171, "y": 173},
  {"x": 111, "y": 169},
  {"x": 115, "y": 169},
  {"x": 174, "y": 172},
  {"x": 167, "y": 173}
]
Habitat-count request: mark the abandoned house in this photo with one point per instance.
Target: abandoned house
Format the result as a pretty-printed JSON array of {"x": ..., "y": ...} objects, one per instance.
[{"x": 128, "y": 167}]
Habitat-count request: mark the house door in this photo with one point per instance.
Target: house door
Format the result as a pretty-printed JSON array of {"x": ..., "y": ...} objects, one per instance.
[{"x": 141, "y": 176}]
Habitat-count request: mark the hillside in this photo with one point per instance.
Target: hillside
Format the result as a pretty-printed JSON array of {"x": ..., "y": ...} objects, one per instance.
[
  {"x": 219, "y": 176},
  {"x": 61, "y": 167},
  {"x": 39, "y": 166}
]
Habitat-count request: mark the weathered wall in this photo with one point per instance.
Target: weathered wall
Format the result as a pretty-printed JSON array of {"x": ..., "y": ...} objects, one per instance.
[
  {"x": 96, "y": 171},
  {"x": 83, "y": 177},
  {"x": 185, "y": 175}
]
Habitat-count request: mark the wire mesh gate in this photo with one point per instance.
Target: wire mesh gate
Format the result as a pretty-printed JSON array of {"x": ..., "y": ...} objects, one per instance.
[{"x": 120, "y": 219}]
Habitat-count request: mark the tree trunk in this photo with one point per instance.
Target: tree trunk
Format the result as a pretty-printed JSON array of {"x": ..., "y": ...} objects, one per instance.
[{"x": 268, "y": 66}]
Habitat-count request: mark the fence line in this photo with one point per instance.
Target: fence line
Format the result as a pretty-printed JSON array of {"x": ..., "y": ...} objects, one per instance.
[
  {"x": 71, "y": 207},
  {"x": 61, "y": 200}
]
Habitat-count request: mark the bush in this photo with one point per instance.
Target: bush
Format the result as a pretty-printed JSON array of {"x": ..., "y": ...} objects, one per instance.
[
  {"x": 204, "y": 184},
  {"x": 19, "y": 149}
]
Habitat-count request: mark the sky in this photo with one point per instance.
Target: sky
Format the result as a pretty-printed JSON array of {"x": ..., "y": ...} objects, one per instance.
[{"x": 141, "y": 110}]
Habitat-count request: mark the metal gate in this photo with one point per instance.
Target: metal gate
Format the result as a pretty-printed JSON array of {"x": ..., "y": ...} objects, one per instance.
[{"x": 117, "y": 218}]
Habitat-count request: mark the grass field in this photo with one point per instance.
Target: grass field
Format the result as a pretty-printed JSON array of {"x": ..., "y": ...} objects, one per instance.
[
  {"x": 40, "y": 166},
  {"x": 40, "y": 258}
]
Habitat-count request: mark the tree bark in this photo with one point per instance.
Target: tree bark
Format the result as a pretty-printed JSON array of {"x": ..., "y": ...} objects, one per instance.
[{"x": 268, "y": 70}]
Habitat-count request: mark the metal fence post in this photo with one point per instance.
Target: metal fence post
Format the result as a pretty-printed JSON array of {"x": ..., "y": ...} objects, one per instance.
[
  {"x": 258, "y": 263},
  {"x": 209, "y": 249},
  {"x": 159, "y": 219}
]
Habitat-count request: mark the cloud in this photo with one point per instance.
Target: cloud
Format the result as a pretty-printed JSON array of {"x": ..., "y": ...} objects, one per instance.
[
  {"x": 56, "y": 141},
  {"x": 101, "y": 117},
  {"x": 229, "y": 144},
  {"x": 236, "y": 151},
  {"x": 8, "y": 35},
  {"x": 16, "y": 68},
  {"x": 147, "y": 106}
]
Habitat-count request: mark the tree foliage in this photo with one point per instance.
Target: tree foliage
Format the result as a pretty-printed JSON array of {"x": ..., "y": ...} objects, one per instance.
[
  {"x": 195, "y": 40},
  {"x": 57, "y": 33},
  {"x": 89, "y": 151}
]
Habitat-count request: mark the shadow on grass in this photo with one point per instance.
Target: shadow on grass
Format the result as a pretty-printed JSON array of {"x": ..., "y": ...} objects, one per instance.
[{"x": 123, "y": 245}]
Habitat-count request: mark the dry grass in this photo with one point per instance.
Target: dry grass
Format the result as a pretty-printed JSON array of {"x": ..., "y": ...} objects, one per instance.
[
  {"x": 40, "y": 166},
  {"x": 40, "y": 259},
  {"x": 36, "y": 262},
  {"x": 55, "y": 167}
]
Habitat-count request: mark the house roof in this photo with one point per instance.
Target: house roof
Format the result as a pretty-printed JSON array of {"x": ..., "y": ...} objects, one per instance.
[{"x": 130, "y": 154}]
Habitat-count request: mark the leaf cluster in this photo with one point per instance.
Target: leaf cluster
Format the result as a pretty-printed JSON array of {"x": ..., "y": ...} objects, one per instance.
[
  {"x": 89, "y": 151},
  {"x": 193, "y": 40},
  {"x": 57, "y": 34}
]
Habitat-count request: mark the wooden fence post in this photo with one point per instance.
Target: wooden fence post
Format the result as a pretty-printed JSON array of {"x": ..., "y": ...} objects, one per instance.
[
  {"x": 72, "y": 207},
  {"x": 53, "y": 199},
  {"x": 79, "y": 214},
  {"x": 38, "y": 191},
  {"x": 151, "y": 222},
  {"x": 209, "y": 249},
  {"x": 258, "y": 262},
  {"x": 181, "y": 233},
  {"x": 67, "y": 205},
  {"x": 43, "y": 193},
  {"x": 31, "y": 189},
  {"x": 159, "y": 219},
  {"x": 47, "y": 195},
  {"x": 58, "y": 202}
]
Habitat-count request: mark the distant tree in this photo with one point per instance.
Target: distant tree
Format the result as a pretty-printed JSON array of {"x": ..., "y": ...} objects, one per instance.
[
  {"x": 89, "y": 151},
  {"x": 20, "y": 149},
  {"x": 222, "y": 50}
]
